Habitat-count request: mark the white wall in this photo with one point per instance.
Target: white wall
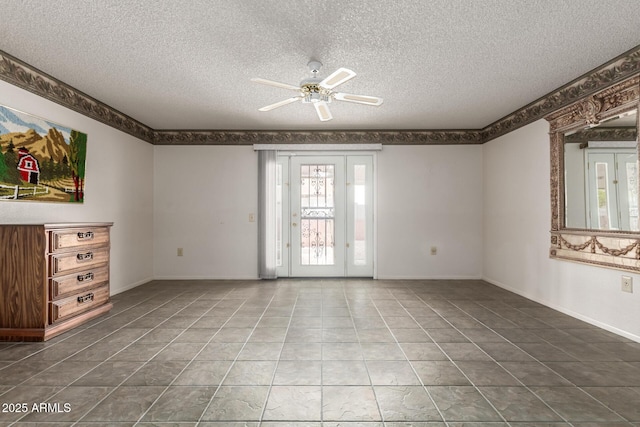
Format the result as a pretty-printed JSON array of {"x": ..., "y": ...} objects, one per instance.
[
  {"x": 203, "y": 196},
  {"x": 429, "y": 196},
  {"x": 119, "y": 189},
  {"x": 516, "y": 238}
]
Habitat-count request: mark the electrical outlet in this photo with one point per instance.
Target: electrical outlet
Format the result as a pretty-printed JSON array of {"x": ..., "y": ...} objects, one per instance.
[
  {"x": 180, "y": 252},
  {"x": 627, "y": 284},
  {"x": 434, "y": 250}
]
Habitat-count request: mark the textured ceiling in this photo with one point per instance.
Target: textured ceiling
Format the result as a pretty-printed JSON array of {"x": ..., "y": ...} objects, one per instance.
[{"x": 438, "y": 64}]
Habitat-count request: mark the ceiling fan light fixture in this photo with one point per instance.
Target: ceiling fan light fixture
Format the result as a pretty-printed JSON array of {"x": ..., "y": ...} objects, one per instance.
[{"x": 317, "y": 97}]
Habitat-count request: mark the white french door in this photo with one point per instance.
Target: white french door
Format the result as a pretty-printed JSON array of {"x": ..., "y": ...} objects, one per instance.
[
  {"x": 317, "y": 216},
  {"x": 325, "y": 216}
]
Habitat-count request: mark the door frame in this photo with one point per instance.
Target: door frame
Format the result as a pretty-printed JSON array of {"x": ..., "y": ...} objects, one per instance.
[{"x": 283, "y": 159}]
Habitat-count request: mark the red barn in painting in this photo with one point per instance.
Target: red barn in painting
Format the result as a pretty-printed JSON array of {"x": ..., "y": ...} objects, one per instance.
[{"x": 28, "y": 167}]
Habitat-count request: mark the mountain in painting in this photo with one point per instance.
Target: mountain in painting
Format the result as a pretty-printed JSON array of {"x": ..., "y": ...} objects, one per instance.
[
  {"x": 51, "y": 145},
  {"x": 43, "y": 139},
  {"x": 12, "y": 121}
]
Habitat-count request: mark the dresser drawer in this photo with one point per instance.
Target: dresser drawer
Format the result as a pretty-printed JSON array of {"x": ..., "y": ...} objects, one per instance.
[
  {"x": 77, "y": 282},
  {"x": 78, "y": 238},
  {"x": 70, "y": 306},
  {"x": 81, "y": 260}
]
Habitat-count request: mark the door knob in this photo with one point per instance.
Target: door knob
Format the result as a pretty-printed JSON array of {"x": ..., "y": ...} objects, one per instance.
[{"x": 293, "y": 224}]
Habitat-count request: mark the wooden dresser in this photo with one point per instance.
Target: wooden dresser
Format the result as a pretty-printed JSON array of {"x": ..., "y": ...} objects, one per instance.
[{"x": 53, "y": 277}]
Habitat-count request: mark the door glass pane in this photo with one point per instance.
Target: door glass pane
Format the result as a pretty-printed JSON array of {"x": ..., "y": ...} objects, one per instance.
[
  {"x": 632, "y": 187},
  {"x": 602, "y": 180},
  {"x": 279, "y": 215},
  {"x": 317, "y": 214},
  {"x": 359, "y": 215}
]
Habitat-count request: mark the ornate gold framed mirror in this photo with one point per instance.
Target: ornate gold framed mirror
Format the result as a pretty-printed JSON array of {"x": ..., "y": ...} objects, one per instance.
[{"x": 594, "y": 179}]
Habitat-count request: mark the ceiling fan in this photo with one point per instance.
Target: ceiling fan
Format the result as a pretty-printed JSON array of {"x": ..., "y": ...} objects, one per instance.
[{"x": 319, "y": 92}]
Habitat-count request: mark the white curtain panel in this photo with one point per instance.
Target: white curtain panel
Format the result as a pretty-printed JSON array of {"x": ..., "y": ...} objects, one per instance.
[{"x": 267, "y": 214}]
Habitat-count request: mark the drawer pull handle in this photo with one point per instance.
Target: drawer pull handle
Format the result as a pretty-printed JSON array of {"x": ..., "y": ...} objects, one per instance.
[
  {"x": 85, "y": 256},
  {"x": 85, "y": 298},
  {"x": 85, "y": 277},
  {"x": 87, "y": 235}
]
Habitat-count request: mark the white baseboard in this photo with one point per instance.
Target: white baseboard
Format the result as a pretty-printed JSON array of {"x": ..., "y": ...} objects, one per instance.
[
  {"x": 566, "y": 311},
  {"x": 204, "y": 278},
  {"x": 115, "y": 291},
  {"x": 429, "y": 277}
]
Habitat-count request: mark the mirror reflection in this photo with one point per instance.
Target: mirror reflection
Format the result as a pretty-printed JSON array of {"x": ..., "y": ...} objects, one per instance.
[{"x": 601, "y": 175}]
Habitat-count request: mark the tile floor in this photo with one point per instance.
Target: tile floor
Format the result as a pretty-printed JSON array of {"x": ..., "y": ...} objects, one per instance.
[{"x": 324, "y": 353}]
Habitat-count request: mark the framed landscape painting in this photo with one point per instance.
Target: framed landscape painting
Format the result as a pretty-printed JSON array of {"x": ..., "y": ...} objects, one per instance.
[{"x": 40, "y": 160}]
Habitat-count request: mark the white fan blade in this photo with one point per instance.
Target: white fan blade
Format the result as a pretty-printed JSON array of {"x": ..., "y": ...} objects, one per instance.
[
  {"x": 322, "y": 108},
  {"x": 280, "y": 104},
  {"x": 359, "y": 99},
  {"x": 276, "y": 84},
  {"x": 336, "y": 78}
]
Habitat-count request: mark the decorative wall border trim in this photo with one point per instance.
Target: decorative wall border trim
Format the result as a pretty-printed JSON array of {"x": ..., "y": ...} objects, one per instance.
[
  {"x": 18, "y": 73},
  {"x": 23, "y": 75},
  {"x": 618, "y": 69},
  {"x": 314, "y": 147},
  {"x": 316, "y": 137}
]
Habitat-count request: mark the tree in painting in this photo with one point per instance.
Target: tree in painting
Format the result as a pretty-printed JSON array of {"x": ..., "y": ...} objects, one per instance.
[
  {"x": 9, "y": 159},
  {"x": 77, "y": 156}
]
